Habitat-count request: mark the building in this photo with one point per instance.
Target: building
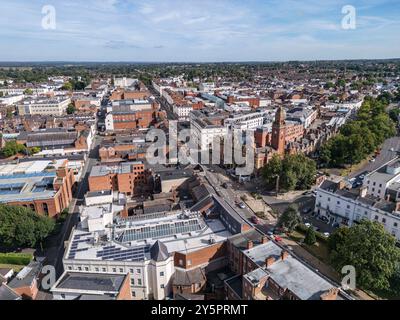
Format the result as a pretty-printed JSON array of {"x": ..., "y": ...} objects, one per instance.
[
  {"x": 182, "y": 111},
  {"x": 384, "y": 182},
  {"x": 343, "y": 206},
  {"x": 126, "y": 177},
  {"x": 268, "y": 272},
  {"x": 43, "y": 186},
  {"x": 55, "y": 106},
  {"x": 204, "y": 131},
  {"x": 124, "y": 82},
  {"x": 278, "y": 139},
  {"x": 149, "y": 247},
  {"x": 25, "y": 283},
  {"x": 92, "y": 286},
  {"x": 246, "y": 121}
]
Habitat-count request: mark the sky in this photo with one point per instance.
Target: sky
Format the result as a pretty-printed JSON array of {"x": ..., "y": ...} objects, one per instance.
[{"x": 198, "y": 30}]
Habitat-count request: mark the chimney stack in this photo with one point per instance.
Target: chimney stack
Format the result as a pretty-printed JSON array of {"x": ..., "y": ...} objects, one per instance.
[
  {"x": 284, "y": 254},
  {"x": 249, "y": 244},
  {"x": 269, "y": 261},
  {"x": 397, "y": 206}
]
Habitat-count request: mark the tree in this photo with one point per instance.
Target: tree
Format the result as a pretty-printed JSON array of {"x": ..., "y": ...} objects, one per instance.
[
  {"x": 20, "y": 226},
  {"x": 289, "y": 219},
  {"x": 310, "y": 238},
  {"x": 28, "y": 92},
  {"x": 370, "y": 249},
  {"x": 71, "y": 108},
  {"x": 11, "y": 148},
  {"x": 67, "y": 86},
  {"x": 296, "y": 172}
]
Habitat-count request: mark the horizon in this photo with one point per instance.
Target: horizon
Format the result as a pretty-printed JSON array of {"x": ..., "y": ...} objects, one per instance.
[{"x": 177, "y": 31}]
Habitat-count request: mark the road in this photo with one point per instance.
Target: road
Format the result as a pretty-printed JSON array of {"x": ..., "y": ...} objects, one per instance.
[
  {"x": 164, "y": 104},
  {"x": 385, "y": 156},
  {"x": 73, "y": 218}
]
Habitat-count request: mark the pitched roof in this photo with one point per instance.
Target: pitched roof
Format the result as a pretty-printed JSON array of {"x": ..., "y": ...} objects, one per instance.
[{"x": 159, "y": 251}]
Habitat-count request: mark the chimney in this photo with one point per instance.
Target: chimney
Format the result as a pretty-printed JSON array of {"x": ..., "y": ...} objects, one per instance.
[
  {"x": 397, "y": 207},
  {"x": 264, "y": 239},
  {"x": 331, "y": 294},
  {"x": 363, "y": 192},
  {"x": 284, "y": 254},
  {"x": 341, "y": 184},
  {"x": 269, "y": 261},
  {"x": 249, "y": 244}
]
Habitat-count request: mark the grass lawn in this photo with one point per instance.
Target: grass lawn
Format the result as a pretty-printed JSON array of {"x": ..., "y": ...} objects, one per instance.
[
  {"x": 16, "y": 268},
  {"x": 319, "y": 249}
]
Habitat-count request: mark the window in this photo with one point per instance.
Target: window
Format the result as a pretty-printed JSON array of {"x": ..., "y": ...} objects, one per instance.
[
  {"x": 162, "y": 286},
  {"x": 189, "y": 262},
  {"x": 348, "y": 206},
  {"x": 374, "y": 183},
  {"x": 380, "y": 185},
  {"x": 139, "y": 282},
  {"x": 69, "y": 268},
  {"x": 80, "y": 268},
  {"x": 338, "y": 202},
  {"x": 86, "y": 269},
  {"x": 131, "y": 271},
  {"x": 114, "y": 269},
  {"x": 161, "y": 274},
  {"x": 96, "y": 269},
  {"x": 133, "y": 282},
  {"x": 376, "y": 217},
  {"x": 395, "y": 224},
  {"x": 62, "y": 296},
  {"x": 383, "y": 220},
  {"x": 104, "y": 269},
  {"x": 138, "y": 270},
  {"x": 121, "y": 270},
  {"x": 133, "y": 293}
]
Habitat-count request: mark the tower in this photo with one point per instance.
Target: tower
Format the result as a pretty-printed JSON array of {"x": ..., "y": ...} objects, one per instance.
[{"x": 279, "y": 131}]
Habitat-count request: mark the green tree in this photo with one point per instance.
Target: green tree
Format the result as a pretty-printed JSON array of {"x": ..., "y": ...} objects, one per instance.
[
  {"x": 289, "y": 219},
  {"x": 28, "y": 92},
  {"x": 20, "y": 227},
  {"x": 310, "y": 238},
  {"x": 71, "y": 108},
  {"x": 272, "y": 170},
  {"x": 67, "y": 86},
  {"x": 11, "y": 148},
  {"x": 370, "y": 249}
]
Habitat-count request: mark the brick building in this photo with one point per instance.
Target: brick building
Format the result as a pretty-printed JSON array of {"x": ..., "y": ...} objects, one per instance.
[
  {"x": 43, "y": 186},
  {"x": 127, "y": 177}
]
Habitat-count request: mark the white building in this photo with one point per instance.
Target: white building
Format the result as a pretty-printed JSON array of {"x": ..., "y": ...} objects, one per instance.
[
  {"x": 44, "y": 106},
  {"x": 124, "y": 82},
  {"x": 203, "y": 131},
  {"x": 346, "y": 207},
  {"x": 182, "y": 111},
  {"x": 11, "y": 99},
  {"x": 142, "y": 245},
  {"x": 384, "y": 178},
  {"x": 246, "y": 121}
]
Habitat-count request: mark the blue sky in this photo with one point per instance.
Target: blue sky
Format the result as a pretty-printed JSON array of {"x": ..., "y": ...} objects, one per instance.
[{"x": 198, "y": 30}]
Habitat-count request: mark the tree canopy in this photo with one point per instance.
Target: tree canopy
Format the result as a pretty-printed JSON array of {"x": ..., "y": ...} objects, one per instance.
[
  {"x": 289, "y": 219},
  {"x": 11, "y": 148},
  {"x": 311, "y": 237},
  {"x": 296, "y": 172},
  {"x": 20, "y": 226},
  {"x": 359, "y": 138},
  {"x": 370, "y": 249}
]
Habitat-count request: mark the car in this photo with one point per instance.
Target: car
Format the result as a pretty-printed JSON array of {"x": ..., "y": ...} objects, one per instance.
[
  {"x": 372, "y": 160},
  {"x": 241, "y": 205},
  {"x": 278, "y": 238},
  {"x": 270, "y": 233},
  {"x": 255, "y": 220},
  {"x": 307, "y": 225},
  {"x": 327, "y": 234},
  {"x": 323, "y": 218}
]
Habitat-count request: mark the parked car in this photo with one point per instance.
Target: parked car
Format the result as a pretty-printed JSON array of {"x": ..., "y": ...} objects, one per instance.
[
  {"x": 327, "y": 234},
  {"x": 307, "y": 225},
  {"x": 241, "y": 205},
  {"x": 278, "y": 238},
  {"x": 255, "y": 220},
  {"x": 324, "y": 219},
  {"x": 225, "y": 185}
]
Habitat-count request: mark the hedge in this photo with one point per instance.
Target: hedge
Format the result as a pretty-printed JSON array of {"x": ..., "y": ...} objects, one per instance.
[
  {"x": 16, "y": 258},
  {"x": 303, "y": 229}
]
